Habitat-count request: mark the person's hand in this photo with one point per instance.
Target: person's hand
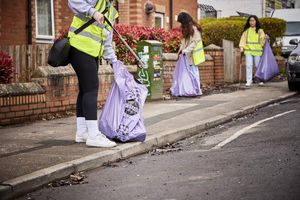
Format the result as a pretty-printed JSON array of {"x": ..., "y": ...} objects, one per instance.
[
  {"x": 113, "y": 61},
  {"x": 179, "y": 54},
  {"x": 98, "y": 17},
  {"x": 241, "y": 49},
  {"x": 267, "y": 37}
]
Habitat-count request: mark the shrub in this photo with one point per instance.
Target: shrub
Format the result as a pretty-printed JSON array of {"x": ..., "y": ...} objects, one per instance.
[
  {"x": 214, "y": 30},
  {"x": 6, "y": 68},
  {"x": 134, "y": 34}
]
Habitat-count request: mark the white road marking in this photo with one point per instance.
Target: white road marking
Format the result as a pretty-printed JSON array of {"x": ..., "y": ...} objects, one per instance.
[{"x": 242, "y": 131}]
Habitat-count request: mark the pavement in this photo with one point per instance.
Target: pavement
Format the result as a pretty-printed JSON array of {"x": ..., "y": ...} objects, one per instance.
[{"x": 34, "y": 154}]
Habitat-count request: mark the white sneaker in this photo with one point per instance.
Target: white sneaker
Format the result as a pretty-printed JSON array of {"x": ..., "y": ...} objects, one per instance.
[
  {"x": 100, "y": 141},
  {"x": 261, "y": 83},
  {"x": 248, "y": 84},
  {"x": 81, "y": 137}
]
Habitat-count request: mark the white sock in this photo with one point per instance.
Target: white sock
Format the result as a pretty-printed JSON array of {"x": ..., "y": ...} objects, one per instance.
[
  {"x": 92, "y": 126},
  {"x": 81, "y": 125}
]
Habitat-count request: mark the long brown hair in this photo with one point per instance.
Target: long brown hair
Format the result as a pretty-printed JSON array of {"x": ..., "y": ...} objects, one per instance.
[
  {"x": 247, "y": 25},
  {"x": 187, "y": 24}
]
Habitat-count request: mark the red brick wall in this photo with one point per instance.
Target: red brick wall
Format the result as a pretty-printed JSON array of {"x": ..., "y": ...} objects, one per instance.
[
  {"x": 61, "y": 92},
  {"x": 60, "y": 96},
  {"x": 133, "y": 13},
  {"x": 280, "y": 61},
  {"x": 169, "y": 67},
  {"x": 13, "y": 16},
  {"x": 17, "y": 109},
  {"x": 13, "y": 20},
  {"x": 182, "y": 5},
  {"x": 62, "y": 16},
  {"x": 218, "y": 57},
  {"x": 136, "y": 12},
  {"x": 124, "y": 11},
  {"x": 206, "y": 71}
]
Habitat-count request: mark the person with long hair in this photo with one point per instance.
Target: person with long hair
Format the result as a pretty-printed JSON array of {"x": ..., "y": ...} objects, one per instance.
[
  {"x": 251, "y": 43},
  {"x": 191, "y": 32}
]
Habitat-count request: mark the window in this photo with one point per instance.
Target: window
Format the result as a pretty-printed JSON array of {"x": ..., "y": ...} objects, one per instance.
[
  {"x": 292, "y": 29},
  {"x": 159, "y": 20},
  {"x": 44, "y": 21}
]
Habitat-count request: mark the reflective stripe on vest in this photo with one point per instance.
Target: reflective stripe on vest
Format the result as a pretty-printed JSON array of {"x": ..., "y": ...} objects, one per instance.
[
  {"x": 198, "y": 53},
  {"x": 90, "y": 40},
  {"x": 111, "y": 15},
  {"x": 253, "y": 45},
  {"x": 86, "y": 34}
]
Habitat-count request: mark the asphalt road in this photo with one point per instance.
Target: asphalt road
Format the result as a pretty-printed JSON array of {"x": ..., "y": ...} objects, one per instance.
[{"x": 254, "y": 157}]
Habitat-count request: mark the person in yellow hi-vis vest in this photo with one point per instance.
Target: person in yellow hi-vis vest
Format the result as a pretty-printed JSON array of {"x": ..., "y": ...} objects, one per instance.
[
  {"x": 87, "y": 47},
  {"x": 251, "y": 43},
  {"x": 191, "y": 43}
]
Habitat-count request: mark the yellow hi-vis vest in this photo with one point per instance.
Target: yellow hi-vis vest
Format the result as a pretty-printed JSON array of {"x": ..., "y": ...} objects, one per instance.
[
  {"x": 91, "y": 39},
  {"x": 253, "y": 46},
  {"x": 111, "y": 15},
  {"x": 198, "y": 53}
]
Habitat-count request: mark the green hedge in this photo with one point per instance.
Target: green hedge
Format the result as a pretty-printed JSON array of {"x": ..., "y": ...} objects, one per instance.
[{"x": 214, "y": 30}]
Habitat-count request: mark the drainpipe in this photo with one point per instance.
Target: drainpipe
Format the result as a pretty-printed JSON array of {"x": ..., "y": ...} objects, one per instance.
[
  {"x": 263, "y": 8},
  {"x": 171, "y": 14},
  {"x": 29, "y": 23}
]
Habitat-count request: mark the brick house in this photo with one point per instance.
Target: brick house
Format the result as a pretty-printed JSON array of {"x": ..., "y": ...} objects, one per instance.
[{"x": 40, "y": 21}]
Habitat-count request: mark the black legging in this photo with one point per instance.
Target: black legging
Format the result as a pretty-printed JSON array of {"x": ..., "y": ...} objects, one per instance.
[{"x": 86, "y": 68}]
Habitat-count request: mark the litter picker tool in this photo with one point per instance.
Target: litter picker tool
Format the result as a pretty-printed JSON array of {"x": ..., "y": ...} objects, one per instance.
[{"x": 142, "y": 65}]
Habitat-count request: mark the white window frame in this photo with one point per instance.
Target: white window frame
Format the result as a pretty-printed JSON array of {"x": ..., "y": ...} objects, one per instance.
[
  {"x": 162, "y": 17},
  {"x": 44, "y": 38}
]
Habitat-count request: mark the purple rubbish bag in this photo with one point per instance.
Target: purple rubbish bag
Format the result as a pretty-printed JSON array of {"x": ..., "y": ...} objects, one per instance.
[
  {"x": 267, "y": 67},
  {"x": 184, "y": 81},
  {"x": 121, "y": 118}
]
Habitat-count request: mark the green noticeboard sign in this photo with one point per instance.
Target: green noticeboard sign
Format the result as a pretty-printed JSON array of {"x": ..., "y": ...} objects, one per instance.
[{"x": 150, "y": 52}]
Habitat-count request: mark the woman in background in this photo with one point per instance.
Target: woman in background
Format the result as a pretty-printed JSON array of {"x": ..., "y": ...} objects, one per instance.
[
  {"x": 251, "y": 43},
  {"x": 191, "y": 44}
]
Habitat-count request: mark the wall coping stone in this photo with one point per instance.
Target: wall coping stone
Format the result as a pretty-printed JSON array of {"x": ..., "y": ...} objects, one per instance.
[
  {"x": 173, "y": 57},
  {"x": 169, "y": 56},
  {"x": 213, "y": 47},
  {"x": 20, "y": 89},
  {"x": 107, "y": 69},
  {"x": 48, "y": 71}
]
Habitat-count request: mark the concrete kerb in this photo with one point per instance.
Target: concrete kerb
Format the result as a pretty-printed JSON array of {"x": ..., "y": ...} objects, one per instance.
[
  {"x": 29, "y": 182},
  {"x": 23, "y": 184}
]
